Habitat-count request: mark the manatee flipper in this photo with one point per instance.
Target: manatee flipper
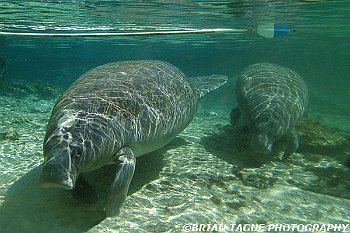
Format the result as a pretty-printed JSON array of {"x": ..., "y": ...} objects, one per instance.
[
  {"x": 288, "y": 144},
  {"x": 238, "y": 121},
  {"x": 234, "y": 115},
  {"x": 120, "y": 186},
  {"x": 292, "y": 143},
  {"x": 205, "y": 84}
]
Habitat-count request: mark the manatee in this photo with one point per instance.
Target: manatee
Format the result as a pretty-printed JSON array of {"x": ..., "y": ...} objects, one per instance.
[
  {"x": 271, "y": 99},
  {"x": 115, "y": 113}
]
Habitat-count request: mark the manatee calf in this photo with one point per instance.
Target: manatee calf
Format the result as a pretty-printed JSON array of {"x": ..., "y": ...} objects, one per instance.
[
  {"x": 115, "y": 113},
  {"x": 270, "y": 99}
]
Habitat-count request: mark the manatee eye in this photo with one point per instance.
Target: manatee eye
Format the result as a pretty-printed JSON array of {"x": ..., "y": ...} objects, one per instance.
[
  {"x": 76, "y": 151},
  {"x": 67, "y": 136}
]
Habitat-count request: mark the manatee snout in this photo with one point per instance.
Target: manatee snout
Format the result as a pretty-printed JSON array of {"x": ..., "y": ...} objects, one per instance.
[
  {"x": 58, "y": 172},
  {"x": 261, "y": 143}
]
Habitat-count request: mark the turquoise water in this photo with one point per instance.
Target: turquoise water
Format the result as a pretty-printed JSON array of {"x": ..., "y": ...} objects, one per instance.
[{"x": 201, "y": 177}]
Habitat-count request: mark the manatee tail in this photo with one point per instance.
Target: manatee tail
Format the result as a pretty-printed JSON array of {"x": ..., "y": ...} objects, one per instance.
[{"x": 205, "y": 84}]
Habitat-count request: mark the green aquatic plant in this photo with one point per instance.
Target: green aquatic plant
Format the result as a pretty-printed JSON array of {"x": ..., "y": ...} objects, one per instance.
[
  {"x": 316, "y": 137},
  {"x": 44, "y": 90},
  {"x": 313, "y": 137},
  {"x": 40, "y": 88},
  {"x": 9, "y": 134}
]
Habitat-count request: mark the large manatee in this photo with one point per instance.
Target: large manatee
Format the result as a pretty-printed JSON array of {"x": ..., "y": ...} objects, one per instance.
[
  {"x": 271, "y": 99},
  {"x": 115, "y": 113}
]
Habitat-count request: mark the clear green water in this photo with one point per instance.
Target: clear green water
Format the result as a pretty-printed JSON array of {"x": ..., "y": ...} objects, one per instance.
[{"x": 201, "y": 177}]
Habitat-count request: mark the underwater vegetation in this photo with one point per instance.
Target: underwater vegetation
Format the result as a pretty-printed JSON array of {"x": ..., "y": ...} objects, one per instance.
[
  {"x": 42, "y": 89},
  {"x": 314, "y": 137},
  {"x": 8, "y": 134}
]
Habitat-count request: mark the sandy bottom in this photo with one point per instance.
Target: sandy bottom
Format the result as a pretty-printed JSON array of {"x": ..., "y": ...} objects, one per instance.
[{"x": 199, "y": 178}]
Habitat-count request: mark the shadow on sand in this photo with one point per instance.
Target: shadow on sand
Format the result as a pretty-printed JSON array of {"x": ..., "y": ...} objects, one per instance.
[
  {"x": 325, "y": 173},
  {"x": 29, "y": 208},
  {"x": 225, "y": 145}
]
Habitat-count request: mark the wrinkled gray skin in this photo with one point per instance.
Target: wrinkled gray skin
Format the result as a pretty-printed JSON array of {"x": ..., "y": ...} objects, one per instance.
[
  {"x": 115, "y": 113},
  {"x": 271, "y": 99}
]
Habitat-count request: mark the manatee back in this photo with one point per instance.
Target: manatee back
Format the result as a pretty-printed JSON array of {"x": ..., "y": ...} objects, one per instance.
[
  {"x": 271, "y": 97},
  {"x": 148, "y": 99}
]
